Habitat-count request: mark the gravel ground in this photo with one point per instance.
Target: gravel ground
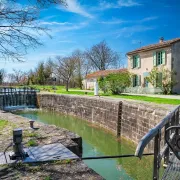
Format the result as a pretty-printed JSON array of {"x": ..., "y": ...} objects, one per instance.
[{"x": 47, "y": 134}]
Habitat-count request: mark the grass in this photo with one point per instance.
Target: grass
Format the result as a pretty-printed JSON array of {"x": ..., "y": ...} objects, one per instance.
[
  {"x": 3, "y": 124},
  {"x": 31, "y": 143},
  {"x": 30, "y": 134},
  {"x": 77, "y": 91},
  {"x": 156, "y": 100}
]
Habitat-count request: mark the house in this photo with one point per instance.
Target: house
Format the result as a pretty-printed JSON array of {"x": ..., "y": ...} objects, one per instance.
[
  {"x": 88, "y": 83},
  {"x": 141, "y": 61}
]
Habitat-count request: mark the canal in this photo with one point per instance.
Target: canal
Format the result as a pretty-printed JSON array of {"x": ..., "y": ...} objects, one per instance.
[{"x": 97, "y": 142}]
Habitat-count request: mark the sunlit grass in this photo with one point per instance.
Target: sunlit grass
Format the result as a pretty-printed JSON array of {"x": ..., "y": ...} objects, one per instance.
[{"x": 3, "y": 124}]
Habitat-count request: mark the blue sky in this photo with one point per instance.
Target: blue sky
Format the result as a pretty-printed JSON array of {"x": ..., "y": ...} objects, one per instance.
[{"x": 124, "y": 24}]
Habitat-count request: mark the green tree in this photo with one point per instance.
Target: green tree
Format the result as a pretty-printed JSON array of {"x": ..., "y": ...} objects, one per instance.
[
  {"x": 116, "y": 83},
  {"x": 103, "y": 84},
  {"x": 41, "y": 74},
  {"x": 162, "y": 78}
]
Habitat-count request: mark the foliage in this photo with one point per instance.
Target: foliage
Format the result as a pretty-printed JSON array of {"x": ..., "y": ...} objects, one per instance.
[
  {"x": 103, "y": 84},
  {"x": 116, "y": 82},
  {"x": 40, "y": 74},
  {"x": 167, "y": 79}
]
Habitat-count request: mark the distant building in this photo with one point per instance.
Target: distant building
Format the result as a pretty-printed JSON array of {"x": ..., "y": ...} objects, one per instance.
[
  {"x": 141, "y": 61},
  {"x": 89, "y": 80}
]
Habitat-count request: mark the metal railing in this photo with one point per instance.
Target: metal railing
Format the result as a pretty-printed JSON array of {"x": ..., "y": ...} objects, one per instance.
[{"x": 158, "y": 134}]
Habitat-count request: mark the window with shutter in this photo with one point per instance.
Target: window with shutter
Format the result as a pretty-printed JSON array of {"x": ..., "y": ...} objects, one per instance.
[
  {"x": 136, "y": 61},
  {"x": 136, "y": 80},
  {"x": 160, "y": 57},
  {"x": 154, "y": 59}
]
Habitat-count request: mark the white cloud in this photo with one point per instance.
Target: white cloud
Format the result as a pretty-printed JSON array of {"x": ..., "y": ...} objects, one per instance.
[
  {"x": 55, "y": 23},
  {"x": 148, "y": 19},
  {"x": 66, "y": 41},
  {"x": 129, "y": 31},
  {"x": 71, "y": 27},
  {"x": 128, "y": 3},
  {"x": 75, "y": 7},
  {"x": 113, "y": 21},
  {"x": 120, "y": 3}
]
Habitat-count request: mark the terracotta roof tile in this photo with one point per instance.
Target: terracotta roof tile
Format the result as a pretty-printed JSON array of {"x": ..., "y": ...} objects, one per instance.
[
  {"x": 154, "y": 46},
  {"x": 104, "y": 73}
]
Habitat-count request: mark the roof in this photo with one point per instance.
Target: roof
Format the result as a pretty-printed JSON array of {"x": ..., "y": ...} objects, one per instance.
[
  {"x": 155, "y": 46},
  {"x": 104, "y": 73}
]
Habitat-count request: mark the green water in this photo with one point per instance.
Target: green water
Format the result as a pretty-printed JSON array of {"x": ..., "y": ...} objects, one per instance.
[{"x": 98, "y": 142}]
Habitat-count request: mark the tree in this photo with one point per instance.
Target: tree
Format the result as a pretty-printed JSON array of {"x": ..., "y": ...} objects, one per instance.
[
  {"x": 81, "y": 67},
  {"x": 2, "y": 75},
  {"x": 40, "y": 74},
  {"x": 64, "y": 69},
  {"x": 18, "y": 76},
  {"x": 162, "y": 78},
  {"x": 103, "y": 84},
  {"x": 19, "y": 27},
  {"x": 102, "y": 57},
  {"x": 116, "y": 83}
]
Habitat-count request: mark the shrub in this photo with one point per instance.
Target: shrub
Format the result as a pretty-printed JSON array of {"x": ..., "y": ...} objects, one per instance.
[{"x": 116, "y": 83}]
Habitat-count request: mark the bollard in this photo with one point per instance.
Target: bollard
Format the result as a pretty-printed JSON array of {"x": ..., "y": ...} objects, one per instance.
[
  {"x": 31, "y": 122},
  {"x": 18, "y": 152}
]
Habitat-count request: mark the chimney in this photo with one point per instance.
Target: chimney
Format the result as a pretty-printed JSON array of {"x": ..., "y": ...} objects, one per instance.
[{"x": 161, "y": 40}]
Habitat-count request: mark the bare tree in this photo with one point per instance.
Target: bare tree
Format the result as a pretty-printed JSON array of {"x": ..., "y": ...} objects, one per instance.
[
  {"x": 64, "y": 69},
  {"x": 19, "y": 27},
  {"x": 2, "y": 76},
  {"x": 102, "y": 57},
  {"x": 18, "y": 76},
  {"x": 81, "y": 68}
]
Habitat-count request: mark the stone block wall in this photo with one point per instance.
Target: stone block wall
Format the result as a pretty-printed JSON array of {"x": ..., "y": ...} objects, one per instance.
[
  {"x": 137, "y": 119},
  {"x": 129, "y": 119},
  {"x": 96, "y": 110}
]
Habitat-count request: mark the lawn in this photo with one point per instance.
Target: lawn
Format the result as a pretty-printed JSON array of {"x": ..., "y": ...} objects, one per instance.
[
  {"x": 77, "y": 91},
  {"x": 148, "y": 99}
]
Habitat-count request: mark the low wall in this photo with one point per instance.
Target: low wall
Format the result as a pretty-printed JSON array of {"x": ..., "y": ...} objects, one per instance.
[
  {"x": 126, "y": 118},
  {"x": 96, "y": 110}
]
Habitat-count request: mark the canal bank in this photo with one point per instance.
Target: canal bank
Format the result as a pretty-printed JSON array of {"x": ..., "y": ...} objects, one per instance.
[
  {"x": 124, "y": 118},
  {"x": 97, "y": 142},
  {"x": 46, "y": 134}
]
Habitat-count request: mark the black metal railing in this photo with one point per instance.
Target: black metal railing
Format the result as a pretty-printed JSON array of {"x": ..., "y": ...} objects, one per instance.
[{"x": 158, "y": 134}]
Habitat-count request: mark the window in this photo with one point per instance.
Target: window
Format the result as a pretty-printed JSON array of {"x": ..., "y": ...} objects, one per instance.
[
  {"x": 159, "y": 58},
  {"x": 136, "y": 80},
  {"x": 135, "y": 61}
]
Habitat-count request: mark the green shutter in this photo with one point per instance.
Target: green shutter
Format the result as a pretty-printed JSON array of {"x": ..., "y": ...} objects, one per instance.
[
  {"x": 163, "y": 57},
  {"x": 139, "y": 80},
  {"x": 138, "y": 61},
  {"x": 131, "y": 62},
  {"x": 154, "y": 59}
]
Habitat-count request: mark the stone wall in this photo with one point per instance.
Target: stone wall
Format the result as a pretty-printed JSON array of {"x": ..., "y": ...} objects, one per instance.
[
  {"x": 138, "y": 118},
  {"x": 129, "y": 119},
  {"x": 96, "y": 110}
]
